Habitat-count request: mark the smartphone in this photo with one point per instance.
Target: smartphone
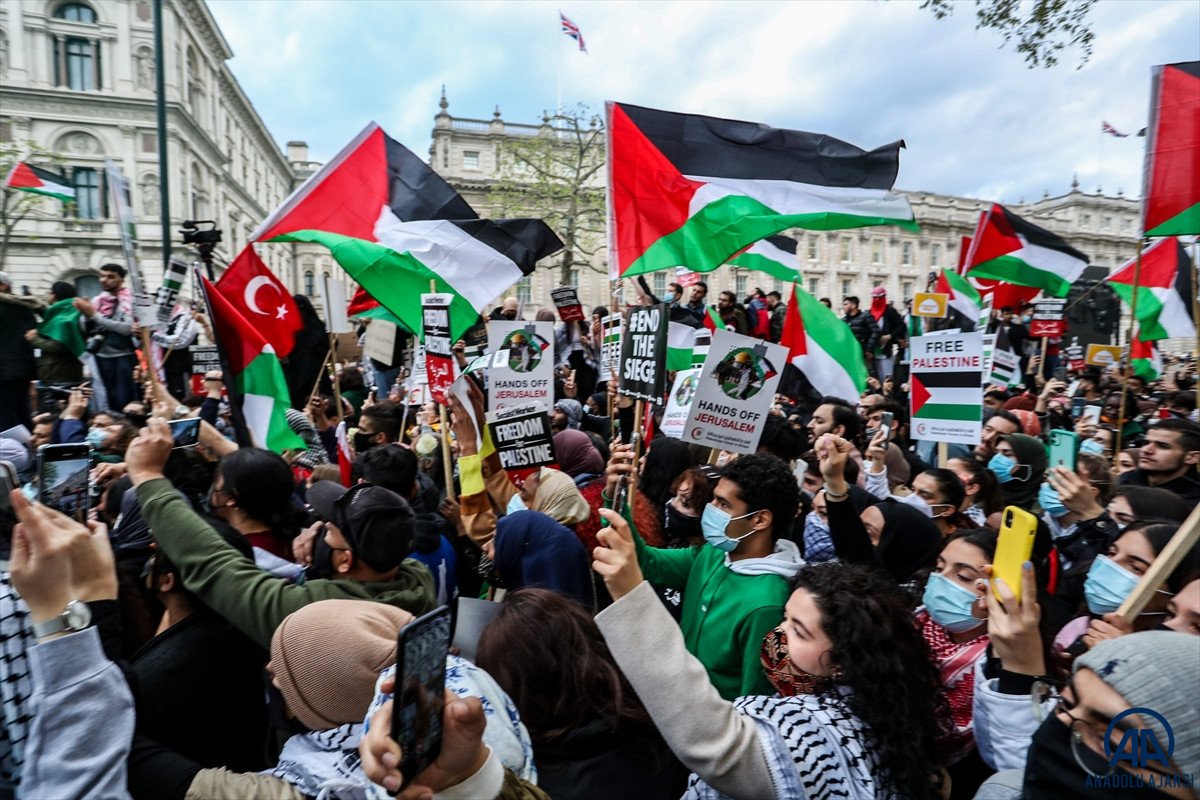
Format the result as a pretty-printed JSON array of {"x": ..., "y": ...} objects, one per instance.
[
  {"x": 1063, "y": 446},
  {"x": 186, "y": 432},
  {"x": 1073, "y": 389},
  {"x": 421, "y": 690},
  {"x": 63, "y": 478},
  {"x": 1013, "y": 548},
  {"x": 8, "y": 520},
  {"x": 885, "y": 424},
  {"x": 1077, "y": 404},
  {"x": 1090, "y": 415}
]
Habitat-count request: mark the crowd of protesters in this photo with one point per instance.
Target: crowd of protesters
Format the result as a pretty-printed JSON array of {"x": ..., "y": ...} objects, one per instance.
[{"x": 818, "y": 619}]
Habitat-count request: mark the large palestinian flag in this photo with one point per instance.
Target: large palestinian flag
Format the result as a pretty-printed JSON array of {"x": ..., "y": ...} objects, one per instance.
[
  {"x": 822, "y": 347},
  {"x": 687, "y": 190},
  {"x": 775, "y": 255},
  {"x": 28, "y": 178},
  {"x": 1171, "y": 176},
  {"x": 394, "y": 225},
  {"x": 1008, "y": 248},
  {"x": 1164, "y": 290}
]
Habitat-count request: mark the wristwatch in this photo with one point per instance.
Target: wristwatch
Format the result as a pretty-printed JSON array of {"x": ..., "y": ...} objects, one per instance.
[{"x": 75, "y": 617}]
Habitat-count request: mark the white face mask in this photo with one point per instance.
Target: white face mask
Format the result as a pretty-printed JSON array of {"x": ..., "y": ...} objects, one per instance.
[{"x": 915, "y": 500}]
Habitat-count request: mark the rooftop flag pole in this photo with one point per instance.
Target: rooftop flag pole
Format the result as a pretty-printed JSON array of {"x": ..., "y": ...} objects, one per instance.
[{"x": 160, "y": 109}]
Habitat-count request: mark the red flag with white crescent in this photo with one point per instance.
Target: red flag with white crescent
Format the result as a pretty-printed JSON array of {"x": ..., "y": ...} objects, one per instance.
[{"x": 260, "y": 297}]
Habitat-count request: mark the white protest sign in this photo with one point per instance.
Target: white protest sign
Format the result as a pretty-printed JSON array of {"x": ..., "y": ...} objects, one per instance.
[
  {"x": 381, "y": 341},
  {"x": 946, "y": 376},
  {"x": 333, "y": 296},
  {"x": 525, "y": 374},
  {"x": 734, "y": 392},
  {"x": 611, "y": 328},
  {"x": 679, "y": 403}
]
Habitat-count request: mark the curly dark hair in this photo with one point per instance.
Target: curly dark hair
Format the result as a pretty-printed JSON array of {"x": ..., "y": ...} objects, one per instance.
[
  {"x": 764, "y": 481},
  {"x": 546, "y": 652},
  {"x": 887, "y": 664}
]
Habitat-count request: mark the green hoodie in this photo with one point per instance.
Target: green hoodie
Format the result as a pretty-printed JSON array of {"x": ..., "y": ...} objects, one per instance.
[{"x": 255, "y": 601}]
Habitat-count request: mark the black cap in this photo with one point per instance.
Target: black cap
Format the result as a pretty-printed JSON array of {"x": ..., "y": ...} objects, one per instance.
[{"x": 376, "y": 522}]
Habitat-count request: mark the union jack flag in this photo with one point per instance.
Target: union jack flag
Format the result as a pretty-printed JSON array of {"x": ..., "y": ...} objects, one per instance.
[
  {"x": 572, "y": 30},
  {"x": 1111, "y": 131}
]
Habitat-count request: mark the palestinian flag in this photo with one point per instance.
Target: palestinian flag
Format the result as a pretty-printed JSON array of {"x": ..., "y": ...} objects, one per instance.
[
  {"x": 1171, "y": 182},
  {"x": 693, "y": 191},
  {"x": 775, "y": 255},
  {"x": 965, "y": 301},
  {"x": 1164, "y": 290},
  {"x": 1007, "y": 248},
  {"x": 681, "y": 341},
  {"x": 822, "y": 347},
  {"x": 60, "y": 322},
  {"x": 37, "y": 180},
  {"x": 712, "y": 320},
  {"x": 394, "y": 225},
  {"x": 258, "y": 390},
  {"x": 1145, "y": 358},
  {"x": 946, "y": 395}
]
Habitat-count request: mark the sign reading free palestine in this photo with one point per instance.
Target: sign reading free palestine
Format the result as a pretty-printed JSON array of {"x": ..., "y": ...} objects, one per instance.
[{"x": 945, "y": 388}]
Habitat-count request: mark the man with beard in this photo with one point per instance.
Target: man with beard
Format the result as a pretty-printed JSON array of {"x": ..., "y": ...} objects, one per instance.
[{"x": 1168, "y": 459}]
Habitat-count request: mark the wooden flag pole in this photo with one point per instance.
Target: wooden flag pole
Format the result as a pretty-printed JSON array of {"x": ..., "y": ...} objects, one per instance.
[
  {"x": 943, "y": 454},
  {"x": 1195, "y": 311},
  {"x": 1137, "y": 276},
  {"x": 1171, "y": 557},
  {"x": 443, "y": 418},
  {"x": 1042, "y": 359},
  {"x": 333, "y": 375},
  {"x": 320, "y": 374}
]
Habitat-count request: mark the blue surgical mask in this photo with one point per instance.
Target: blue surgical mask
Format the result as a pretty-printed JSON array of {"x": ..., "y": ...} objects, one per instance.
[
  {"x": 669, "y": 297},
  {"x": 1107, "y": 585},
  {"x": 95, "y": 437},
  {"x": 515, "y": 504},
  {"x": 713, "y": 523},
  {"x": 950, "y": 604},
  {"x": 1091, "y": 447},
  {"x": 1050, "y": 501},
  {"x": 1002, "y": 466}
]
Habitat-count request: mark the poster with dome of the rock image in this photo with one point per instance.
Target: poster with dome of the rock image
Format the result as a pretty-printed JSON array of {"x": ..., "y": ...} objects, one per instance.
[
  {"x": 734, "y": 392},
  {"x": 522, "y": 369}
]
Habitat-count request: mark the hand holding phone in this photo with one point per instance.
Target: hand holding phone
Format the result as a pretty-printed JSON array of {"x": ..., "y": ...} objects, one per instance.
[
  {"x": 185, "y": 432},
  {"x": 421, "y": 690},
  {"x": 63, "y": 478},
  {"x": 1013, "y": 548}
]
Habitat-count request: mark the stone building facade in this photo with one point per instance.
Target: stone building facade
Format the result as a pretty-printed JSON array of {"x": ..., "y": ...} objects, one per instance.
[
  {"x": 77, "y": 78},
  {"x": 834, "y": 264}
]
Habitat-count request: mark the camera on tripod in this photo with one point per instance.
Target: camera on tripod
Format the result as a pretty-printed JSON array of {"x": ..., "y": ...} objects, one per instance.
[{"x": 205, "y": 240}]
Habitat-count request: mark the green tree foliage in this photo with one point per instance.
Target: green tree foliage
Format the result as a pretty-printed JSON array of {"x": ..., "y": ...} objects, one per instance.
[
  {"x": 1042, "y": 29},
  {"x": 16, "y": 205}
]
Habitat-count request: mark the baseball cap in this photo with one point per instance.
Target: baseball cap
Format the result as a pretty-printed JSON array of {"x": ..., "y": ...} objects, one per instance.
[{"x": 376, "y": 522}]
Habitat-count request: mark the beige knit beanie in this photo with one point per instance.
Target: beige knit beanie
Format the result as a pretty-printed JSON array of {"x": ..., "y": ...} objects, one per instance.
[{"x": 327, "y": 656}]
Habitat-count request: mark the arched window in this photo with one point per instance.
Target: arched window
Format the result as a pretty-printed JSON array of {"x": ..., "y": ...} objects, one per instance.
[
  {"x": 76, "y": 12},
  {"x": 309, "y": 287}
]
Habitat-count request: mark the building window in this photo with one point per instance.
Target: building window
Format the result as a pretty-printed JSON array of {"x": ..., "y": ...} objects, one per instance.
[
  {"x": 906, "y": 254},
  {"x": 1085, "y": 219},
  {"x": 877, "y": 252},
  {"x": 76, "y": 12},
  {"x": 573, "y": 278},
  {"x": 1107, "y": 223},
  {"x": 845, "y": 248},
  {"x": 739, "y": 286},
  {"x": 814, "y": 286},
  {"x": 470, "y": 159},
  {"x": 659, "y": 282},
  {"x": 309, "y": 284},
  {"x": 525, "y": 290},
  {"x": 846, "y": 290},
  {"x": 76, "y": 63},
  {"x": 812, "y": 248},
  {"x": 906, "y": 290},
  {"x": 877, "y": 282},
  {"x": 149, "y": 143},
  {"x": 88, "y": 199},
  {"x": 935, "y": 255}
]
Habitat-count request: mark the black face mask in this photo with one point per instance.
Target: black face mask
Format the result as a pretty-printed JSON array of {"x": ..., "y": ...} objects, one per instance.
[
  {"x": 362, "y": 441},
  {"x": 322, "y": 563},
  {"x": 679, "y": 527},
  {"x": 1051, "y": 771}
]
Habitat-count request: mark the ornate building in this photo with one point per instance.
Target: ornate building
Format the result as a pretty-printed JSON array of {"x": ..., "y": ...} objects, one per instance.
[
  {"x": 77, "y": 79},
  {"x": 834, "y": 264}
]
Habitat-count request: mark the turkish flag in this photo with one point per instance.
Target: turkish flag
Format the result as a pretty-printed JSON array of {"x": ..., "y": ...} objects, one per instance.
[{"x": 262, "y": 299}]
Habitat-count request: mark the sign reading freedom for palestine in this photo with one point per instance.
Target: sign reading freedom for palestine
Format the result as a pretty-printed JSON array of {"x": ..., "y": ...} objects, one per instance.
[
  {"x": 947, "y": 401},
  {"x": 644, "y": 353},
  {"x": 521, "y": 435}
]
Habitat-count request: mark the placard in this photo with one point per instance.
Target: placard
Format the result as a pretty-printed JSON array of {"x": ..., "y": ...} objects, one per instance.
[
  {"x": 679, "y": 403},
  {"x": 167, "y": 296},
  {"x": 944, "y": 386},
  {"x": 522, "y": 368},
  {"x": 685, "y": 278},
  {"x": 566, "y": 300},
  {"x": 474, "y": 339},
  {"x": 1048, "y": 318},
  {"x": 1103, "y": 355},
  {"x": 611, "y": 328},
  {"x": 333, "y": 296},
  {"x": 439, "y": 358},
  {"x": 930, "y": 304},
  {"x": 380, "y": 341},
  {"x": 734, "y": 392},
  {"x": 644, "y": 353},
  {"x": 521, "y": 434}
]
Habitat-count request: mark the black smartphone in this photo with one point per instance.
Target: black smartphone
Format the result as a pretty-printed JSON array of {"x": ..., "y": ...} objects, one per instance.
[
  {"x": 1077, "y": 404},
  {"x": 63, "y": 478},
  {"x": 186, "y": 432},
  {"x": 8, "y": 520},
  {"x": 886, "y": 420},
  {"x": 421, "y": 690}
]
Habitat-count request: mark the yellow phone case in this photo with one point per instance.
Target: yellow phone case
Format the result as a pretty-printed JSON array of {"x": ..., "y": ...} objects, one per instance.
[{"x": 1013, "y": 548}]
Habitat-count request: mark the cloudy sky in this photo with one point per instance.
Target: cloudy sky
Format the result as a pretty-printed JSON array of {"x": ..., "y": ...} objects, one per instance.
[{"x": 977, "y": 122}]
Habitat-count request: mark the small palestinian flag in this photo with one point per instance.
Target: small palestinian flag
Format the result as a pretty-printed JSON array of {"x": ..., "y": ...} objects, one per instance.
[
  {"x": 693, "y": 191},
  {"x": 38, "y": 180},
  {"x": 1171, "y": 182},
  {"x": 1164, "y": 290},
  {"x": 1145, "y": 358},
  {"x": 712, "y": 320},
  {"x": 775, "y": 255},
  {"x": 681, "y": 341},
  {"x": 394, "y": 225},
  {"x": 823, "y": 348},
  {"x": 965, "y": 302},
  {"x": 946, "y": 395},
  {"x": 1008, "y": 248}
]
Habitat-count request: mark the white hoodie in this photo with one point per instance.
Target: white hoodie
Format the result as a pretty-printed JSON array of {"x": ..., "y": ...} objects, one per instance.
[{"x": 783, "y": 562}]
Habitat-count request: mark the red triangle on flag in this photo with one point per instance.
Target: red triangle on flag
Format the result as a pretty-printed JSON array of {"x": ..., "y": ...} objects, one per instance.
[
  {"x": 22, "y": 177},
  {"x": 920, "y": 395},
  {"x": 794, "y": 337},
  {"x": 994, "y": 237}
]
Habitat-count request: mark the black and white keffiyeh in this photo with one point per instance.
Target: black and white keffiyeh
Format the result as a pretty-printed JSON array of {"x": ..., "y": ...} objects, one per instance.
[{"x": 16, "y": 638}]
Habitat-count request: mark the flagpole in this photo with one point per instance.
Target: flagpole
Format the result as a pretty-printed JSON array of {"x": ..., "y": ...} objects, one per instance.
[
  {"x": 241, "y": 431},
  {"x": 447, "y": 458},
  {"x": 160, "y": 113},
  {"x": 1137, "y": 275},
  {"x": 1196, "y": 310}
]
